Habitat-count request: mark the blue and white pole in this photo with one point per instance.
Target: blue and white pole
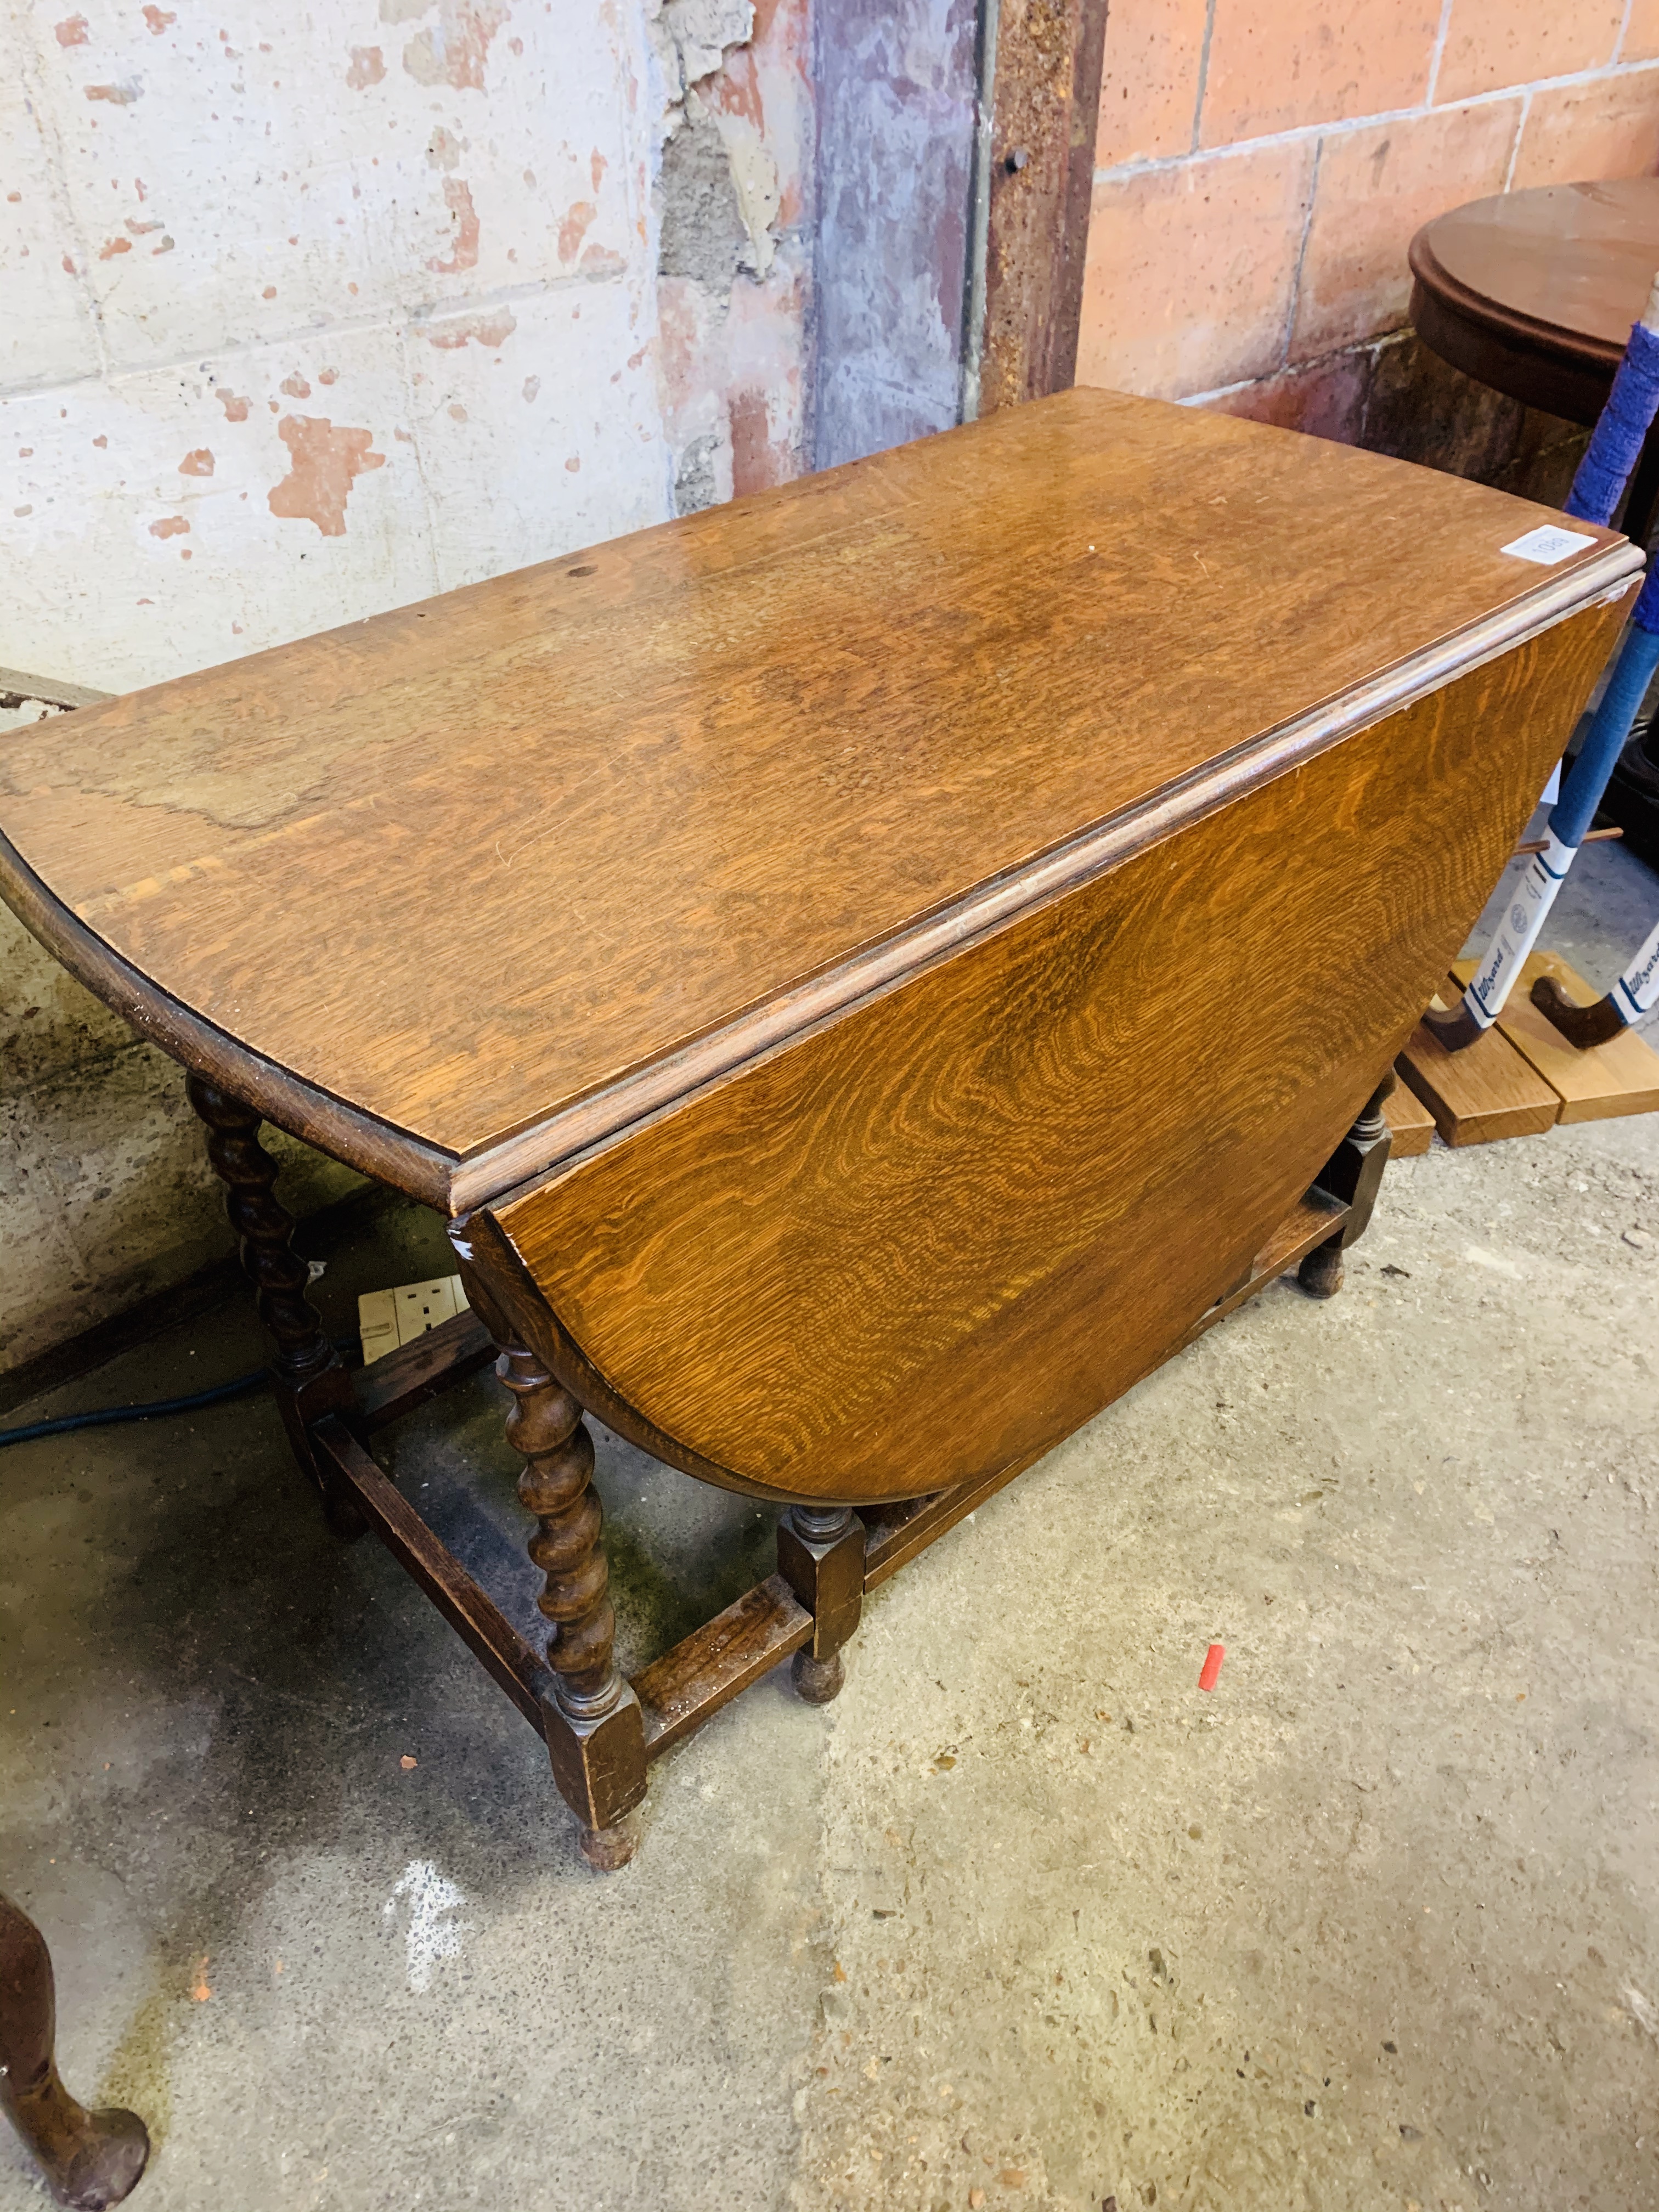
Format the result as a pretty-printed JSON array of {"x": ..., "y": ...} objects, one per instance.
[
  {"x": 1635, "y": 993},
  {"x": 1612, "y": 452}
]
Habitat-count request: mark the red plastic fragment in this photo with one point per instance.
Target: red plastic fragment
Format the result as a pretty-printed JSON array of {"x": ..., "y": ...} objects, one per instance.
[{"x": 1212, "y": 1659}]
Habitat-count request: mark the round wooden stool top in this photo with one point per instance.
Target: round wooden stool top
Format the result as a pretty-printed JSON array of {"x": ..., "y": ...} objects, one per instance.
[{"x": 1535, "y": 293}]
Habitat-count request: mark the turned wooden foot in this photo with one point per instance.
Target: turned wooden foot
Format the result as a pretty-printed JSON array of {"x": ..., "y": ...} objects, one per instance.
[
  {"x": 821, "y": 1557},
  {"x": 818, "y": 1681},
  {"x": 1352, "y": 1174},
  {"x": 306, "y": 1370},
  {"x": 595, "y": 1734},
  {"x": 1321, "y": 1272},
  {"x": 90, "y": 2160},
  {"x": 607, "y": 1849}
]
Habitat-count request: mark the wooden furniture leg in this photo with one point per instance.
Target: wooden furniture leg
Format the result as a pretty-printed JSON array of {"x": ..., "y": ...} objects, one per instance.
[
  {"x": 310, "y": 1381},
  {"x": 90, "y": 2160},
  {"x": 828, "y": 1557},
  {"x": 598, "y": 1753},
  {"x": 1353, "y": 1175},
  {"x": 821, "y": 1555}
]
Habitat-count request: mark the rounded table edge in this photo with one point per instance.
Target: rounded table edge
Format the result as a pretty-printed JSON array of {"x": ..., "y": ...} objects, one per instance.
[{"x": 347, "y": 1134}]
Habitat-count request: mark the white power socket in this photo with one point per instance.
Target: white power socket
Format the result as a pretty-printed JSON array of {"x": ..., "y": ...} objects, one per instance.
[{"x": 387, "y": 1319}]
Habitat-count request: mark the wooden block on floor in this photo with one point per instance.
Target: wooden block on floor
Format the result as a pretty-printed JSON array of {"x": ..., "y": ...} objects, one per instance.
[
  {"x": 1620, "y": 1077},
  {"x": 1476, "y": 1095},
  {"x": 1411, "y": 1125}
]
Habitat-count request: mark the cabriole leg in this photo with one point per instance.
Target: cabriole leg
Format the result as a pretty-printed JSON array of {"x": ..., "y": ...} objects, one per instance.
[
  {"x": 821, "y": 1557},
  {"x": 309, "y": 1379},
  {"x": 90, "y": 2160},
  {"x": 1353, "y": 1174},
  {"x": 596, "y": 1733}
]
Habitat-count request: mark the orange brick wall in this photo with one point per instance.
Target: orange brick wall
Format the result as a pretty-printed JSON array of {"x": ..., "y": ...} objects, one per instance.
[{"x": 1262, "y": 164}]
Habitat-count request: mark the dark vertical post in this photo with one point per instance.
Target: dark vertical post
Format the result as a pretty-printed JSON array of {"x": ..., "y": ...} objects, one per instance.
[
  {"x": 309, "y": 1379},
  {"x": 1352, "y": 1174},
  {"x": 595, "y": 1729},
  {"x": 1046, "y": 94},
  {"x": 821, "y": 1557}
]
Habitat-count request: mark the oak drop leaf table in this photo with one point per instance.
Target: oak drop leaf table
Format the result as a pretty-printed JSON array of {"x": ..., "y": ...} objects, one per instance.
[{"x": 868, "y": 971}]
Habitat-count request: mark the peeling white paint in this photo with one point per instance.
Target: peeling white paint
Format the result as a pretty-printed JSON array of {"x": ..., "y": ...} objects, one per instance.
[
  {"x": 428, "y": 1898},
  {"x": 310, "y": 202},
  {"x": 755, "y": 176},
  {"x": 693, "y": 37},
  {"x": 694, "y": 40},
  {"x": 735, "y": 267}
]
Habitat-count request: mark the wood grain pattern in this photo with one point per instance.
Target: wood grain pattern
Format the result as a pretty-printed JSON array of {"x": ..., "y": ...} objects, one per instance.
[
  {"x": 1411, "y": 1125},
  {"x": 1308, "y": 1225},
  {"x": 939, "y": 1234},
  {"x": 522, "y": 841},
  {"x": 391, "y": 1156},
  {"x": 898, "y": 1532},
  {"x": 1620, "y": 1077},
  {"x": 417, "y": 1372},
  {"x": 1481, "y": 1094},
  {"x": 689, "y": 1684}
]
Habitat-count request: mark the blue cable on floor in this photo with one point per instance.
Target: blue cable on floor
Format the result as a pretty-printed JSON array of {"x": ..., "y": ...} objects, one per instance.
[{"x": 112, "y": 1414}]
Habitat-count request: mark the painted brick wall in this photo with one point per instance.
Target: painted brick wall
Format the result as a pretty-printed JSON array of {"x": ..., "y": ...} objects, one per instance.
[
  {"x": 1261, "y": 168},
  {"x": 313, "y": 321},
  {"x": 305, "y": 315},
  {"x": 308, "y": 316}
]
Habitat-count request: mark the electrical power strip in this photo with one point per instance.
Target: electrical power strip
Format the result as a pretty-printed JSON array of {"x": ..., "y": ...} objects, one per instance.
[{"x": 387, "y": 1319}]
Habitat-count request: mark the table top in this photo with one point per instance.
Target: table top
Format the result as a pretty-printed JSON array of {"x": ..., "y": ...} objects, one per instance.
[
  {"x": 1558, "y": 275},
  {"x": 461, "y": 888}
]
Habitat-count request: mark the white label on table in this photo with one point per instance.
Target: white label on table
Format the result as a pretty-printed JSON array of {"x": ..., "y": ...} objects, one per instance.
[{"x": 1548, "y": 544}]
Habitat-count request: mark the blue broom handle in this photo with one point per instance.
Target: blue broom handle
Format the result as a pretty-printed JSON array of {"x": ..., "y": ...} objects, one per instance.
[
  {"x": 1614, "y": 450},
  {"x": 1610, "y": 724},
  {"x": 1621, "y": 429}
]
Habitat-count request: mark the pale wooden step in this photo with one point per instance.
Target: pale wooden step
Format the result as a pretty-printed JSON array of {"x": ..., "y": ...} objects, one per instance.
[
  {"x": 1482, "y": 1093},
  {"x": 1620, "y": 1077}
]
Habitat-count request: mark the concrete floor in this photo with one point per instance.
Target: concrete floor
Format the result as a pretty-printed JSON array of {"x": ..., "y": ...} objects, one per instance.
[{"x": 1024, "y": 1919}]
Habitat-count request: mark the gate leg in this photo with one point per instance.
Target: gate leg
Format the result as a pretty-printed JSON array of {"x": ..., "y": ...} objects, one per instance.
[{"x": 1353, "y": 1174}]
